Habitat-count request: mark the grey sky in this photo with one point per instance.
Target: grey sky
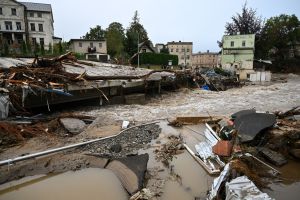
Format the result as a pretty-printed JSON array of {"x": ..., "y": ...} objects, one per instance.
[{"x": 201, "y": 22}]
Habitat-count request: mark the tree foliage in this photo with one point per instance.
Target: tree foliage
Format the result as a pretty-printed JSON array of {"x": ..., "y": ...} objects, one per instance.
[
  {"x": 246, "y": 22},
  {"x": 115, "y": 38},
  {"x": 95, "y": 33},
  {"x": 279, "y": 34},
  {"x": 134, "y": 33}
]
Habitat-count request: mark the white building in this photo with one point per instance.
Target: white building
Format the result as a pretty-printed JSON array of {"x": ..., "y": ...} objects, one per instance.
[{"x": 26, "y": 21}]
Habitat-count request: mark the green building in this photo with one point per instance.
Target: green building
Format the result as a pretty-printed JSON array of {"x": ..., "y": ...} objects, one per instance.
[{"x": 238, "y": 54}]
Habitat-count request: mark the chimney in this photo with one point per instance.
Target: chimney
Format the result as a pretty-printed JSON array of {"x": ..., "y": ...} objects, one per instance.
[{"x": 207, "y": 51}]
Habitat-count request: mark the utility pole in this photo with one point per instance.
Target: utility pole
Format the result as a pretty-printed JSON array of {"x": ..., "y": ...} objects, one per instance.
[{"x": 138, "y": 50}]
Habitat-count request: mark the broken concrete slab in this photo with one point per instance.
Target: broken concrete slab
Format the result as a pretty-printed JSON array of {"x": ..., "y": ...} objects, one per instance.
[
  {"x": 249, "y": 125},
  {"x": 130, "y": 171},
  {"x": 73, "y": 125},
  {"x": 272, "y": 156}
]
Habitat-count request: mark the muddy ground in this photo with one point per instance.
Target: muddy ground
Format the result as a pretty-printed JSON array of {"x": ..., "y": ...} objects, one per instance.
[{"x": 282, "y": 94}]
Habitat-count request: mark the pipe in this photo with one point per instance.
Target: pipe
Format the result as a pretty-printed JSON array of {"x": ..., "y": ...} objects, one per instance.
[{"x": 34, "y": 155}]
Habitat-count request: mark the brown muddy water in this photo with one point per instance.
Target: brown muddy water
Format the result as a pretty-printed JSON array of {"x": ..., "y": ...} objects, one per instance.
[
  {"x": 103, "y": 184},
  {"x": 84, "y": 184}
]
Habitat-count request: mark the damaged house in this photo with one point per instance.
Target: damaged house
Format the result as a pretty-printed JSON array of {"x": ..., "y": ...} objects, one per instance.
[
  {"x": 26, "y": 21},
  {"x": 238, "y": 57}
]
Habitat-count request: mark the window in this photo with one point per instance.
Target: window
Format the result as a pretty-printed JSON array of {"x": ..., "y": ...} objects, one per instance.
[
  {"x": 187, "y": 50},
  {"x": 100, "y": 45},
  {"x": 1, "y": 11},
  {"x": 31, "y": 14},
  {"x": 244, "y": 43},
  {"x": 32, "y": 26},
  {"x": 80, "y": 44},
  {"x": 91, "y": 44},
  {"x": 41, "y": 28},
  {"x": 176, "y": 50},
  {"x": 171, "y": 50},
  {"x": 39, "y": 15},
  {"x": 42, "y": 41},
  {"x": 182, "y": 50},
  {"x": 8, "y": 25},
  {"x": 33, "y": 41},
  {"x": 187, "y": 57},
  {"x": 232, "y": 43},
  {"x": 144, "y": 50},
  {"x": 13, "y": 11},
  {"x": 18, "y": 24}
]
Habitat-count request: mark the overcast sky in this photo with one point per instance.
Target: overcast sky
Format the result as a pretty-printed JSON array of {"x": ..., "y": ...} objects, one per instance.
[{"x": 198, "y": 21}]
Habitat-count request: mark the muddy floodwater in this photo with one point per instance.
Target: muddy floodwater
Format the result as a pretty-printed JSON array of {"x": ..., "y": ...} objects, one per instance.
[{"x": 84, "y": 184}]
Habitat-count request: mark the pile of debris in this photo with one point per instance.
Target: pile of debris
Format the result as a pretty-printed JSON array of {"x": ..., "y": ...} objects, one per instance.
[
  {"x": 211, "y": 80},
  {"x": 18, "y": 129},
  {"x": 247, "y": 142}
]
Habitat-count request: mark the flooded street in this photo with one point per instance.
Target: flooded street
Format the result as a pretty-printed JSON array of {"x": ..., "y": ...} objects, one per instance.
[{"x": 84, "y": 184}]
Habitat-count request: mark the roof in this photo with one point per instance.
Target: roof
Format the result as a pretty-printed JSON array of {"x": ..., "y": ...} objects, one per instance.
[
  {"x": 147, "y": 44},
  {"x": 42, "y": 7},
  {"x": 87, "y": 40},
  {"x": 205, "y": 53},
  {"x": 180, "y": 43},
  {"x": 57, "y": 38}
]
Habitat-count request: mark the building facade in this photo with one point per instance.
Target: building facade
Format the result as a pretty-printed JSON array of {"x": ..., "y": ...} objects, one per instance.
[
  {"x": 208, "y": 59},
  {"x": 84, "y": 46},
  {"x": 26, "y": 21},
  {"x": 183, "y": 50},
  {"x": 238, "y": 54}
]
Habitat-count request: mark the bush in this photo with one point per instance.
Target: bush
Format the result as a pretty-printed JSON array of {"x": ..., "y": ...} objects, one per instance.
[{"x": 156, "y": 59}]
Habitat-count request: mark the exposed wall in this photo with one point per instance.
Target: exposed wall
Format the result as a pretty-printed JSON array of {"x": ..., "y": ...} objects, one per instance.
[
  {"x": 183, "y": 50},
  {"x": 83, "y": 48},
  {"x": 205, "y": 59},
  {"x": 48, "y": 30}
]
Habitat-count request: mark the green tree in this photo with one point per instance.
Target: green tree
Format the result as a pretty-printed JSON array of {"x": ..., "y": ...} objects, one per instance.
[
  {"x": 95, "y": 33},
  {"x": 50, "y": 49},
  {"x": 246, "y": 22},
  {"x": 165, "y": 50},
  {"x": 6, "y": 49},
  {"x": 135, "y": 32},
  {"x": 115, "y": 38},
  {"x": 279, "y": 34},
  {"x": 24, "y": 48}
]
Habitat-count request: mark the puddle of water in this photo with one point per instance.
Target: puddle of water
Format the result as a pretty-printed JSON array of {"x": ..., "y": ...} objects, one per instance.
[
  {"x": 289, "y": 187},
  {"x": 87, "y": 183},
  {"x": 194, "y": 180}
]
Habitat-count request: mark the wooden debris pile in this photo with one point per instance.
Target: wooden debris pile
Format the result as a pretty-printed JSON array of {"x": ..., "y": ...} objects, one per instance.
[{"x": 166, "y": 153}]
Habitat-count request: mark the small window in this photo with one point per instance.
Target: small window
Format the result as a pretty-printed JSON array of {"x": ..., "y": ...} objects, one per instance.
[
  {"x": 32, "y": 27},
  {"x": 13, "y": 11},
  {"x": 41, "y": 28},
  {"x": 18, "y": 24},
  {"x": 1, "y": 11},
  {"x": 42, "y": 41},
  {"x": 171, "y": 50},
  {"x": 100, "y": 45},
  {"x": 244, "y": 43},
  {"x": 187, "y": 50},
  {"x": 187, "y": 57},
  {"x": 33, "y": 41},
  {"x": 144, "y": 50},
  {"x": 182, "y": 50},
  {"x": 91, "y": 45},
  {"x": 232, "y": 43},
  {"x": 31, "y": 14},
  {"x": 80, "y": 44},
  {"x": 8, "y": 25},
  {"x": 39, "y": 15},
  {"x": 248, "y": 76},
  {"x": 176, "y": 50}
]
